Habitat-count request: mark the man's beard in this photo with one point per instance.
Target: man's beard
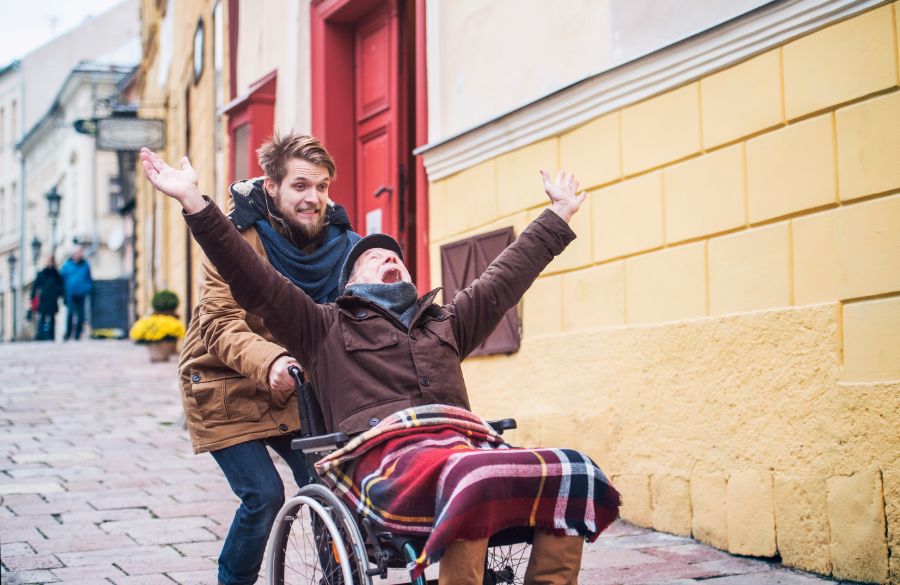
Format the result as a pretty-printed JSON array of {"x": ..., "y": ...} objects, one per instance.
[{"x": 309, "y": 230}]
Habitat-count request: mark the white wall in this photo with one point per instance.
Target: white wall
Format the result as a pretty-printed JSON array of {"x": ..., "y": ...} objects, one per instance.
[
  {"x": 274, "y": 35},
  {"x": 489, "y": 57},
  {"x": 46, "y": 68}
]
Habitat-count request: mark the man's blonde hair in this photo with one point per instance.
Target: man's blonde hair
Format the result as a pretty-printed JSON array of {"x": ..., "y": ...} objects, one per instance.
[{"x": 274, "y": 154}]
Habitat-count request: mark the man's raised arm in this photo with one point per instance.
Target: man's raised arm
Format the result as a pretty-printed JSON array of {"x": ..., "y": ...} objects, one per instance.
[
  {"x": 296, "y": 321},
  {"x": 481, "y": 306}
]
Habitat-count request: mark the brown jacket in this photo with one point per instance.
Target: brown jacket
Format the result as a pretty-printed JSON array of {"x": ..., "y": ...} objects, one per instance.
[
  {"x": 364, "y": 364},
  {"x": 224, "y": 368}
]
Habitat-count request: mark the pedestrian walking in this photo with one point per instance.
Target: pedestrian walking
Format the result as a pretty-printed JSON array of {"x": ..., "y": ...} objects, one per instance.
[
  {"x": 45, "y": 292},
  {"x": 76, "y": 274},
  {"x": 238, "y": 396}
]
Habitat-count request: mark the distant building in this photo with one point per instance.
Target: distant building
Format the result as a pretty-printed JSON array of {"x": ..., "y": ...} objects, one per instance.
[
  {"x": 55, "y": 156},
  {"x": 73, "y": 76},
  {"x": 10, "y": 186}
]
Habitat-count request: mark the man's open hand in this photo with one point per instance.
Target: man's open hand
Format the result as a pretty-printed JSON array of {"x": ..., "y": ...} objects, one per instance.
[
  {"x": 180, "y": 185},
  {"x": 563, "y": 193}
]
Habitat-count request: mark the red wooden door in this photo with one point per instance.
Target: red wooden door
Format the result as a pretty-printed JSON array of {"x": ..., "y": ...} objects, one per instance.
[{"x": 379, "y": 191}]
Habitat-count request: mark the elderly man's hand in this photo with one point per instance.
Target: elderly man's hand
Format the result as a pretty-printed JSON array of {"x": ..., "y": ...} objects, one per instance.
[
  {"x": 563, "y": 193},
  {"x": 180, "y": 185},
  {"x": 280, "y": 380}
]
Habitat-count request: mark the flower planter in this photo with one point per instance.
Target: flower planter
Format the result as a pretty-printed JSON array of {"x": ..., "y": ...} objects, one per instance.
[{"x": 161, "y": 350}]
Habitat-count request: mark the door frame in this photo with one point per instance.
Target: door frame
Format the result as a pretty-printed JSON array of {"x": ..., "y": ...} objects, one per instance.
[{"x": 332, "y": 58}]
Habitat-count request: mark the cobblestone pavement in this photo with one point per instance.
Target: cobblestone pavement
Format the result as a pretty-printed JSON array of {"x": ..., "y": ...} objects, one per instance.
[{"x": 98, "y": 484}]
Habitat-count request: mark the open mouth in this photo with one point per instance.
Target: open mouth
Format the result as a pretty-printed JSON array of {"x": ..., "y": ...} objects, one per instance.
[
  {"x": 390, "y": 276},
  {"x": 308, "y": 213}
]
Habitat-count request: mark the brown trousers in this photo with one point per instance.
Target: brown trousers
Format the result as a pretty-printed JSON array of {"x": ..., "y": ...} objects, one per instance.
[{"x": 555, "y": 560}]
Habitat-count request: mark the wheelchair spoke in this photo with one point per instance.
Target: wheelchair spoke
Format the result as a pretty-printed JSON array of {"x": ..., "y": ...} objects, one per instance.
[{"x": 507, "y": 564}]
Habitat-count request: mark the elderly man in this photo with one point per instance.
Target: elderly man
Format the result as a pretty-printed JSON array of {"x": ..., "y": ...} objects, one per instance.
[
  {"x": 238, "y": 397},
  {"x": 386, "y": 361}
]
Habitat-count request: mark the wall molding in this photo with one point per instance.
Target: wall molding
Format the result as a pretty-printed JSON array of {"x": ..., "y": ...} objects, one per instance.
[{"x": 750, "y": 34}]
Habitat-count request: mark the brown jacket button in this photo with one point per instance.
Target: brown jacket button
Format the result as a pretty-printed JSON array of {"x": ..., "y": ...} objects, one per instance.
[
  {"x": 361, "y": 314},
  {"x": 424, "y": 381},
  {"x": 283, "y": 428},
  {"x": 195, "y": 378},
  {"x": 373, "y": 421}
]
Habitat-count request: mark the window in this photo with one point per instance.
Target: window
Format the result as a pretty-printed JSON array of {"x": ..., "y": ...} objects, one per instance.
[
  {"x": 251, "y": 121},
  {"x": 4, "y": 212},
  {"x": 239, "y": 147},
  {"x": 12, "y": 123},
  {"x": 464, "y": 261},
  {"x": 116, "y": 195},
  {"x": 2, "y": 128}
]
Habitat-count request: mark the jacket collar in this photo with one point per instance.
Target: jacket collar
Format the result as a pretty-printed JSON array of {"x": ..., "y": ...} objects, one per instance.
[{"x": 425, "y": 303}]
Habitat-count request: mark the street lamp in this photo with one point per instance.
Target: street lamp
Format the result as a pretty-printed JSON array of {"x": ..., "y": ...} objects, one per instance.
[
  {"x": 11, "y": 259},
  {"x": 36, "y": 250},
  {"x": 53, "y": 199}
]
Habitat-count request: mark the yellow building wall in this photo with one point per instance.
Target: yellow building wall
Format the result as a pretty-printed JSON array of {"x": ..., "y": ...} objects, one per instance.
[
  {"x": 724, "y": 335},
  {"x": 161, "y": 238}
]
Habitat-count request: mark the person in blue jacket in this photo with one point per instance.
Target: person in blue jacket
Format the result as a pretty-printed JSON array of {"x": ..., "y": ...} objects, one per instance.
[{"x": 76, "y": 273}]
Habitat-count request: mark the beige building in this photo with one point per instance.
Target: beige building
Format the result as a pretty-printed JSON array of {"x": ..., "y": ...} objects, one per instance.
[
  {"x": 724, "y": 334},
  {"x": 172, "y": 89},
  {"x": 189, "y": 78}
]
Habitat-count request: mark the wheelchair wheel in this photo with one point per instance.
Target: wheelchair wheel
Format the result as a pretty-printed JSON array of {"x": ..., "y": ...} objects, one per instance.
[
  {"x": 315, "y": 541},
  {"x": 506, "y": 564}
]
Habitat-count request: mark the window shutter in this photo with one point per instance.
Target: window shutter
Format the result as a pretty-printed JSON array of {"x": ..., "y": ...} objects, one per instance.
[{"x": 464, "y": 261}]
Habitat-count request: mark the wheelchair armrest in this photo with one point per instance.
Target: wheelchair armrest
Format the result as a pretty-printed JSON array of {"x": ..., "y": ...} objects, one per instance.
[
  {"x": 506, "y": 424},
  {"x": 320, "y": 443}
]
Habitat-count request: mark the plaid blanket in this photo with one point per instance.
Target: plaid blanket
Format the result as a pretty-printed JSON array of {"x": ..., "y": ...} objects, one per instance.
[{"x": 441, "y": 472}]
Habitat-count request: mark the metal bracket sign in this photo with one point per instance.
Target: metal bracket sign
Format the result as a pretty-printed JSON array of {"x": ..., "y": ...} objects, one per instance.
[
  {"x": 130, "y": 134},
  {"x": 85, "y": 126}
]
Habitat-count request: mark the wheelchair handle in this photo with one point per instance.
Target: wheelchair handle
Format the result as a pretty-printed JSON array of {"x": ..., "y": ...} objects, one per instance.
[
  {"x": 294, "y": 371},
  {"x": 301, "y": 389}
]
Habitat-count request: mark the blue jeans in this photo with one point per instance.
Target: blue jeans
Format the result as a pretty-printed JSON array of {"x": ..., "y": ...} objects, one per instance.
[
  {"x": 74, "y": 316},
  {"x": 254, "y": 479}
]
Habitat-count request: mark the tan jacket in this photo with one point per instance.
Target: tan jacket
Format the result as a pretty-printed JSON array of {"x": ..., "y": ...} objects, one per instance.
[{"x": 224, "y": 370}]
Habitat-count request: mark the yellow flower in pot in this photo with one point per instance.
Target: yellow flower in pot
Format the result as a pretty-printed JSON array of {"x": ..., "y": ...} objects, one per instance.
[{"x": 160, "y": 330}]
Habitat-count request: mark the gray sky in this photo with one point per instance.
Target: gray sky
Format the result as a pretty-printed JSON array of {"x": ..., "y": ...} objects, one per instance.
[{"x": 27, "y": 24}]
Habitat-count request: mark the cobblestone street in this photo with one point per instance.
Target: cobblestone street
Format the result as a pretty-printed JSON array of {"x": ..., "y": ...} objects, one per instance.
[{"x": 98, "y": 484}]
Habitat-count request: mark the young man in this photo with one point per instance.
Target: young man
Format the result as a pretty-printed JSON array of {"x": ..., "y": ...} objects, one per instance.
[
  {"x": 76, "y": 273},
  {"x": 238, "y": 396},
  {"x": 386, "y": 362}
]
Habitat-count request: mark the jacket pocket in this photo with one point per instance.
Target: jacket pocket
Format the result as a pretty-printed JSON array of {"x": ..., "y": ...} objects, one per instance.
[
  {"x": 443, "y": 330},
  {"x": 225, "y": 400},
  {"x": 368, "y": 333}
]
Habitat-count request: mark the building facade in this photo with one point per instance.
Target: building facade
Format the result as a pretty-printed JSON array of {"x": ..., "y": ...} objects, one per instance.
[
  {"x": 10, "y": 185},
  {"x": 182, "y": 81},
  {"x": 56, "y": 157},
  {"x": 724, "y": 334}
]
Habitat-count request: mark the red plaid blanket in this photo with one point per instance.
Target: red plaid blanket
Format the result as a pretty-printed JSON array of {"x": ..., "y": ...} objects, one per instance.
[{"x": 441, "y": 472}]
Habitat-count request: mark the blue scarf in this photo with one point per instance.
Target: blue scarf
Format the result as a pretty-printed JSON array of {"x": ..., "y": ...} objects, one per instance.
[
  {"x": 398, "y": 298},
  {"x": 316, "y": 273}
]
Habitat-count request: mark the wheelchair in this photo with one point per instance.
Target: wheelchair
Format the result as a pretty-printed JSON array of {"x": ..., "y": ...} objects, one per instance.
[{"x": 318, "y": 540}]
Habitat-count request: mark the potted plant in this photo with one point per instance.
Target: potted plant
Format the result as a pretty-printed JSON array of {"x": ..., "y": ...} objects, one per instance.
[{"x": 161, "y": 330}]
